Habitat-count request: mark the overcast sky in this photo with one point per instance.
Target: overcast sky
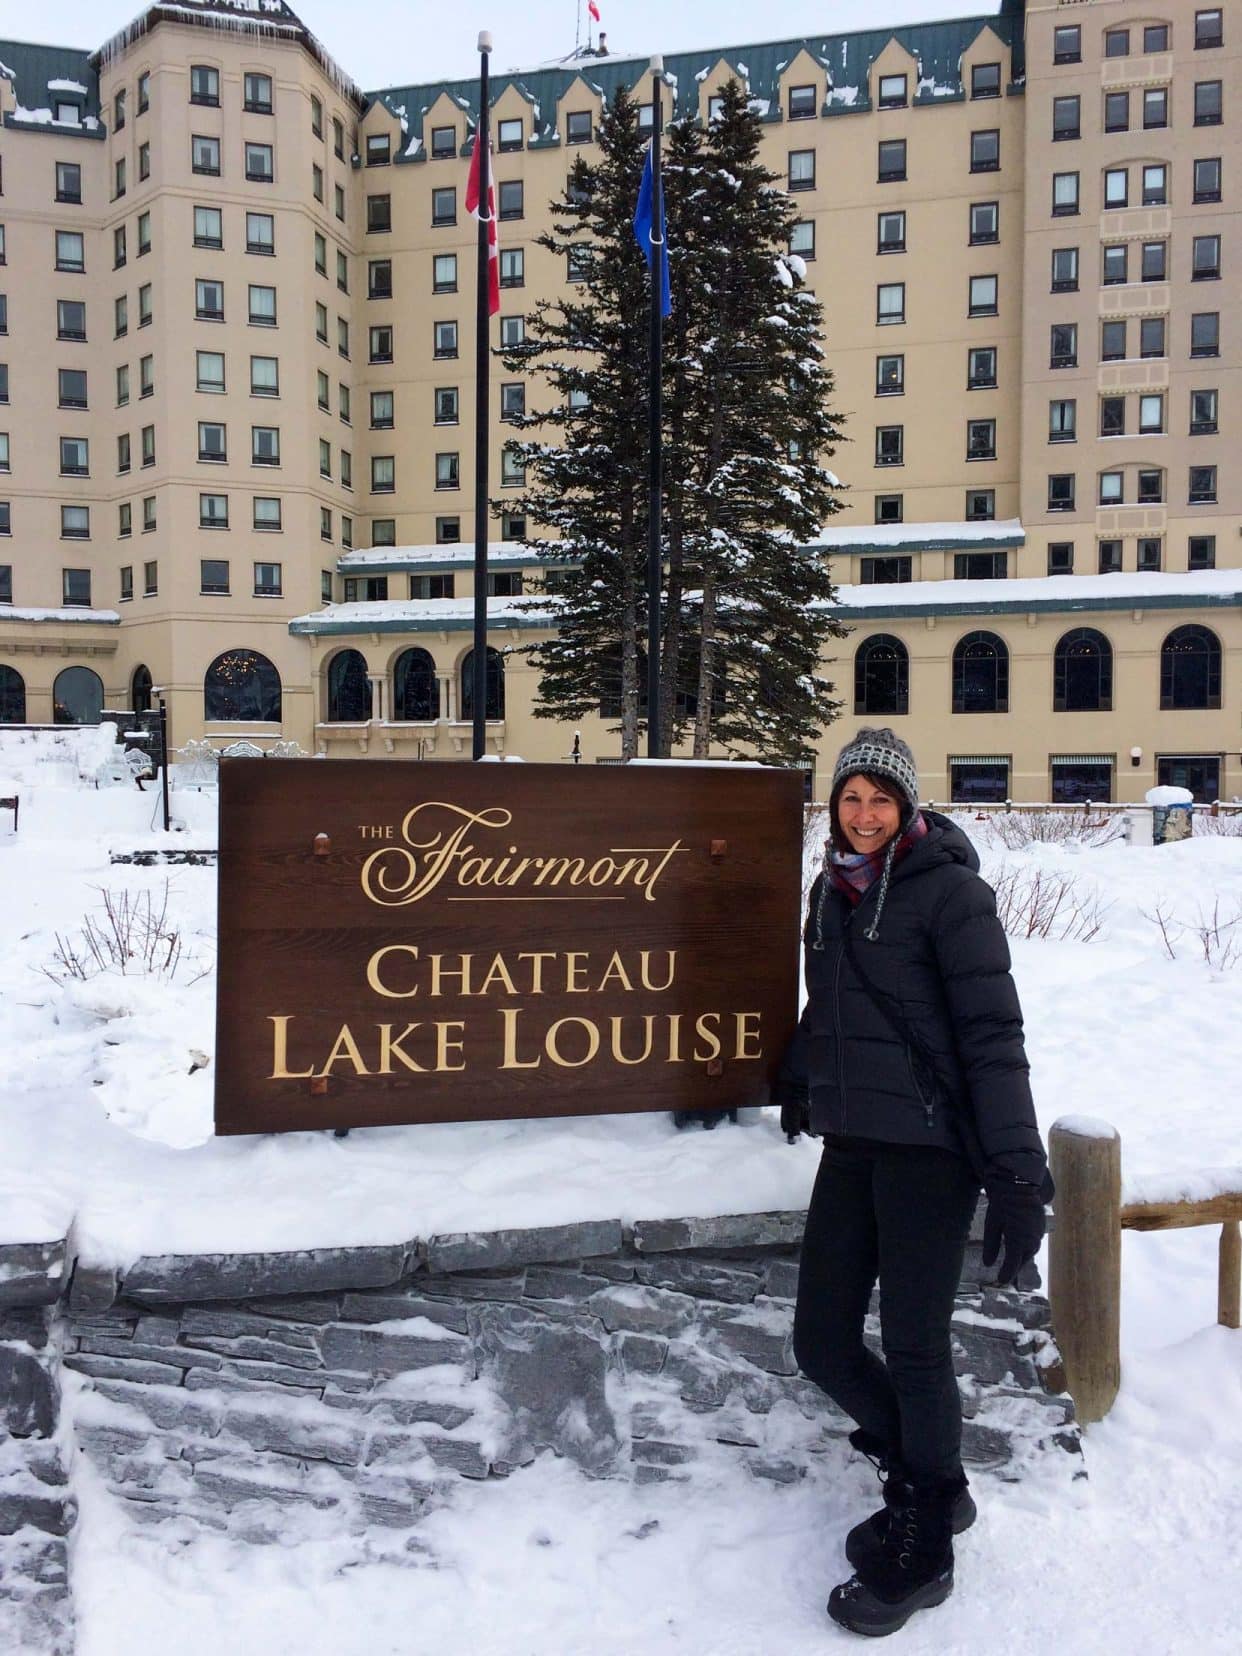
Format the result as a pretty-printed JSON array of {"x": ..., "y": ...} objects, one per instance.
[{"x": 394, "y": 42}]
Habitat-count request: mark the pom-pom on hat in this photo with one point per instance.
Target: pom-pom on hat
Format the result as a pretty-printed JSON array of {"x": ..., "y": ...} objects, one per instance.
[{"x": 879, "y": 751}]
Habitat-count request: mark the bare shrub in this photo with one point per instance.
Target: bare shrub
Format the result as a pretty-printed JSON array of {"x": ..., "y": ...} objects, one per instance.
[
  {"x": 1226, "y": 826},
  {"x": 1214, "y": 938},
  {"x": 133, "y": 937},
  {"x": 1018, "y": 829},
  {"x": 1033, "y": 902}
]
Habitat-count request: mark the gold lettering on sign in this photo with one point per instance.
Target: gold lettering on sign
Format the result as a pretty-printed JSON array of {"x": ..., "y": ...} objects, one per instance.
[
  {"x": 344, "y": 1047},
  {"x": 390, "y": 1049},
  {"x": 700, "y": 1029},
  {"x": 552, "y": 1042},
  {"x": 396, "y": 875},
  {"x": 744, "y": 1033},
  {"x": 280, "y": 1051},
  {"x": 510, "y": 1061},
  {"x": 373, "y": 977}
]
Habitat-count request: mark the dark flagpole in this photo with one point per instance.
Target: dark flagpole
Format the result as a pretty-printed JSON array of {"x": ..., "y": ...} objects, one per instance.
[
  {"x": 482, "y": 420},
  {"x": 655, "y": 560}
]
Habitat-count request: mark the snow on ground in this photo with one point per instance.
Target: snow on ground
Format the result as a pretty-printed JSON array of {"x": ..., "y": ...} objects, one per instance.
[{"x": 103, "y": 1122}]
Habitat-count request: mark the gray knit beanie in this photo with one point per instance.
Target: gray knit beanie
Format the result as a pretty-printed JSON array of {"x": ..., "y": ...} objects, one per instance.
[{"x": 879, "y": 751}]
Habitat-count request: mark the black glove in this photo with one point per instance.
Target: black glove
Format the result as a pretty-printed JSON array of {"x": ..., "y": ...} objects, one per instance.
[
  {"x": 795, "y": 1107},
  {"x": 1015, "y": 1217}
]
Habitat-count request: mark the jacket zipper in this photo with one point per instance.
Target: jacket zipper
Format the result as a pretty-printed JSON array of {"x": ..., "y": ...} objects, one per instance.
[
  {"x": 918, "y": 1087},
  {"x": 836, "y": 1027}
]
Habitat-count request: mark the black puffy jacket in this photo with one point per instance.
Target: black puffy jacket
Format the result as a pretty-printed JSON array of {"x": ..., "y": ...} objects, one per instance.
[{"x": 940, "y": 962}]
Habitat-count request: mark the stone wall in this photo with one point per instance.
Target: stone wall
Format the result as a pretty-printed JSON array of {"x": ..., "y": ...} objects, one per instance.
[{"x": 352, "y": 1389}]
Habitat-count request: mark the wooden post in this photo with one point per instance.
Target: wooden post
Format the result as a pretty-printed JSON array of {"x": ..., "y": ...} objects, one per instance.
[
  {"x": 1229, "y": 1283},
  {"x": 1084, "y": 1260}
]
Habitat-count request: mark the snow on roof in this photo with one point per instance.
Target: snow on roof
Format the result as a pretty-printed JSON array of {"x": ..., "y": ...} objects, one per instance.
[
  {"x": 1043, "y": 590},
  {"x": 421, "y": 614},
  {"x": 399, "y": 557},
  {"x": 107, "y": 617},
  {"x": 68, "y": 86},
  {"x": 1009, "y": 530}
]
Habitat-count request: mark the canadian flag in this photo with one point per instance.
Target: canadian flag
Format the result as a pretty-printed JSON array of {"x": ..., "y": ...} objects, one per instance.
[
  {"x": 493, "y": 241},
  {"x": 593, "y": 9}
]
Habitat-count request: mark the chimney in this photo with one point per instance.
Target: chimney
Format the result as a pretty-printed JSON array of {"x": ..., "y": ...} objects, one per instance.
[{"x": 602, "y": 49}]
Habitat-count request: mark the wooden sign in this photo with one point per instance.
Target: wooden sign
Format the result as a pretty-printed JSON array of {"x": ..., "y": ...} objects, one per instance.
[{"x": 406, "y": 942}]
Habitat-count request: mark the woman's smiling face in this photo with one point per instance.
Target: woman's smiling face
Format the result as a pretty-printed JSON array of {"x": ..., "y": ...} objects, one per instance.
[{"x": 869, "y": 815}]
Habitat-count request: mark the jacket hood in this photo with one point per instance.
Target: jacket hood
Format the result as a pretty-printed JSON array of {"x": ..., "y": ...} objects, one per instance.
[{"x": 944, "y": 843}]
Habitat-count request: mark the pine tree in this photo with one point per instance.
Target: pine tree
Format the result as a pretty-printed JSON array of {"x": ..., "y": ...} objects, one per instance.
[{"x": 746, "y": 425}]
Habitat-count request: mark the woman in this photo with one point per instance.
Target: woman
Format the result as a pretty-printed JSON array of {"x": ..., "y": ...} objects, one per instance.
[{"x": 909, "y": 1060}]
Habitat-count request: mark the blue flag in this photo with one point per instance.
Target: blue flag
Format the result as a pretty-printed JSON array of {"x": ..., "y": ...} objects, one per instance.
[{"x": 643, "y": 215}]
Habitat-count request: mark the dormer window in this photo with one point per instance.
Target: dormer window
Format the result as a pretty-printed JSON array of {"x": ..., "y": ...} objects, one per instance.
[
  {"x": 68, "y": 114},
  {"x": 892, "y": 91}
]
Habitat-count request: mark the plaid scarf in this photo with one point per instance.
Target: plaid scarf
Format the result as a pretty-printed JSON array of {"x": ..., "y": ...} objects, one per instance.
[{"x": 855, "y": 872}]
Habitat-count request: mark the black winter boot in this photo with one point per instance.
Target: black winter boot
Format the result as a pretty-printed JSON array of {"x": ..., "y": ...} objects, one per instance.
[
  {"x": 865, "y": 1540},
  {"x": 914, "y": 1566}
]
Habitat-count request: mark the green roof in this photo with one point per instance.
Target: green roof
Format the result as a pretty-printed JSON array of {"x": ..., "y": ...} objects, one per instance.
[
  {"x": 31, "y": 67},
  {"x": 845, "y": 58}
]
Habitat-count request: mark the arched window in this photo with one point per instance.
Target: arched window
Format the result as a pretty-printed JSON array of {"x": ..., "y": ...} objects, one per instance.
[
  {"x": 1190, "y": 668},
  {"x": 241, "y": 687},
  {"x": 1082, "y": 673},
  {"x": 494, "y": 705},
  {"x": 881, "y": 675},
  {"x": 981, "y": 674},
  {"x": 77, "y": 697},
  {"x": 415, "y": 692},
  {"x": 12, "y": 696},
  {"x": 140, "y": 690},
  {"x": 349, "y": 689}
]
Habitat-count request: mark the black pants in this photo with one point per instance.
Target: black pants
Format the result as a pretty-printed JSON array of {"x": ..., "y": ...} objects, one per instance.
[{"x": 901, "y": 1213}]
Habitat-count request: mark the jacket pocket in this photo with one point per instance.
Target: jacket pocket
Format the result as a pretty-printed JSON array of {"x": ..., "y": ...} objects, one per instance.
[{"x": 924, "y": 1090}]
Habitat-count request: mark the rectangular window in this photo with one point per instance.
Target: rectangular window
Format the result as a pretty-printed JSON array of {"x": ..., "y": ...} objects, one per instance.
[
  {"x": 70, "y": 387},
  {"x": 1115, "y": 264},
  {"x": 208, "y": 227},
  {"x": 261, "y": 306},
  {"x": 74, "y": 457},
  {"x": 892, "y": 160},
  {"x": 1205, "y": 261},
  {"x": 509, "y": 136},
  {"x": 578, "y": 126},
  {"x": 342, "y": 271},
  {"x": 265, "y": 445},
  {"x": 1061, "y": 492},
  {"x": 1150, "y": 487},
  {"x": 1207, "y": 179},
  {"x": 985, "y": 151},
  {"x": 213, "y": 580},
  {"x": 1116, "y": 112},
  {"x": 75, "y": 587},
  {"x": 257, "y": 94},
  {"x": 802, "y": 169},
  {"x": 212, "y": 441},
  {"x": 1151, "y": 413},
  {"x": 511, "y": 199},
  {"x": 148, "y": 523},
  {"x": 71, "y": 319},
  {"x": 1205, "y": 334},
  {"x": 1067, "y": 44},
  {"x": 1150, "y": 553},
  {"x": 803, "y": 103},
  {"x": 1153, "y": 266},
  {"x": 1108, "y": 557},
  {"x": 1209, "y": 28},
  {"x": 1203, "y": 412},
  {"x": 209, "y": 370},
  {"x": 1066, "y": 118},
  {"x": 69, "y": 182},
  {"x": 1156, "y": 107},
  {"x": 147, "y": 437},
  {"x": 1202, "y": 486},
  {"x": 260, "y": 163},
  {"x": 984, "y": 222},
  {"x": 983, "y": 296},
  {"x": 448, "y": 474},
  {"x": 382, "y": 414},
  {"x": 1156, "y": 37},
  {"x": 512, "y": 267},
  {"x": 144, "y": 234},
  {"x": 4, "y": 452},
  {"x": 981, "y": 368},
  {"x": 144, "y": 161},
  {"x": 325, "y": 523},
  {"x": 1064, "y": 194},
  {"x": 323, "y": 391},
  {"x": 443, "y": 143},
  {"x": 981, "y": 439},
  {"x": 886, "y": 571},
  {"x": 338, "y": 139},
  {"x": 118, "y": 111},
  {"x": 380, "y": 343},
  {"x": 266, "y": 512},
  {"x": 264, "y": 376},
  {"x": 379, "y": 214},
  {"x": 892, "y": 92},
  {"x": 890, "y": 376},
  {"x": 980, "y": 566},
  {"x": 127, "y": 570},
  {"x": 316, "y": 181},
  {"x": 267, "y": 580},
  {"x": 1156, "y": 186},
  {"x": 1117, "y": 187},
  {"x": 383, "y": 474},
  {"x": 889, "y": 508},
  {"x": 1063, "y": 420},
  {"x": 320, "y": 254},
  {"x": 513, "y": 400},
  {"x": 321, "y": 323},
  {"x": 1209, "y": 103},
  {"x": 1117, "y": 43},
  {"x": 889, "y": 445},
  {"x": 1060, "y": 557},
  {"x": 1112, "y": 341},
  {"x": 205, "y": 155},
  {"x": 379, "y": 278},
  {"x": 209, "y": 300},
  {"x": 891, "y": 233},
  {"x": 70, "y": 250},
  {"x": 512, "y": 331},
  {"x": 448, "y": 533},
  {"x": 985, "y": 80},
  {"x": 802, "y": 238},
  {"x": 1065, "y": 270},
  {"x": 890, "y": 303},
  {"x": 445, "y": 339},
  {"x": 379, "y": 149},
  {"x": 260, "y": 233},
  {"x": 444, "y": 273},
  {"x": 204, "y": 85},
  {"x": 1201, "y": 552},
  {"x": 75, "y": 522},
  {"x": 1111, "y": 488},
  {"x": 1112, "y": 416},
  {"x": 144, "y": 92},
  {"x": 512, "y": 470},
  {"x": 444, "y": 205},
  {"x": 119, "y": 254},
  {"x": 325, "y": 457}
]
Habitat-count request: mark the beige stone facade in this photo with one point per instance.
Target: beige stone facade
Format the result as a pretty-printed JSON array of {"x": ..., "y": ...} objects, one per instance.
[{"x": 239, "y": 368}]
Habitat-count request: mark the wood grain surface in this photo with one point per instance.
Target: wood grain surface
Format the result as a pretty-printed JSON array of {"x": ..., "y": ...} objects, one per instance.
[{"x": 405, "y": 942}]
